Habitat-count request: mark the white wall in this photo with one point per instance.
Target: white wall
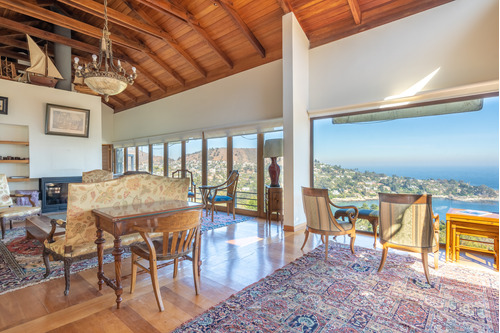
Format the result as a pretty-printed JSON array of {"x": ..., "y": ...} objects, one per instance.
[
  {"x": 246, "y": 97},
  {"x": 295, "y": 118},
  {"x": 460, "y": 38},
  {"x": 53, "y": 155},
  {"x": 108, "y": 126}
]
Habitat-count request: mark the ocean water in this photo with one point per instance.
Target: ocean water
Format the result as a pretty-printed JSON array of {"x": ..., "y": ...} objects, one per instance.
[
  {"x": 440, "y": 205},
  {"x": 474, "y": 175}
]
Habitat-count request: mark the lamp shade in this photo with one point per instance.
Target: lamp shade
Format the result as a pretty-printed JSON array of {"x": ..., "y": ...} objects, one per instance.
[{"x": 273, "y": 148}]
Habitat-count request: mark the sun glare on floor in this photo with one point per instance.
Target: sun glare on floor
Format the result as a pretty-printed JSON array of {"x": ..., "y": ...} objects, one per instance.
[{"x": 245, "y": 241}]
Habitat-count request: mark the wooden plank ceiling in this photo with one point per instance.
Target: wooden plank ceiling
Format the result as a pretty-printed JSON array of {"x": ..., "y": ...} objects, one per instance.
[{"x": 177, "y": 45}]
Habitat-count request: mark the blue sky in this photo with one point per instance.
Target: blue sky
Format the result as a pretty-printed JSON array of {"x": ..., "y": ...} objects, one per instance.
[{"x": 455, "y": 140}]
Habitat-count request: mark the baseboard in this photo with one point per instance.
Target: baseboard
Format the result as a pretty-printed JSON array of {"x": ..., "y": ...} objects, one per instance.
[{"x": 294, "y": 227}]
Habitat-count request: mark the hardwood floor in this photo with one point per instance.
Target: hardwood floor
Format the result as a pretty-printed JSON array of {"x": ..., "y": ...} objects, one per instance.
[{"x": 233, "y": 258}]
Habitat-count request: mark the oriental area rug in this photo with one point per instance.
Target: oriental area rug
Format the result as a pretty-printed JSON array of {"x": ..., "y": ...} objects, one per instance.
[
  {"x": 21, "y": 262},
  {"x": 346, "y": 294}
]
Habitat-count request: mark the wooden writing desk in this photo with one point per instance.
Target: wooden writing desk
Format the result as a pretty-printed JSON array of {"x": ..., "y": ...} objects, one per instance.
[
  {"x": 471, "y": 223},
  {"x": 120, "y": 221}
]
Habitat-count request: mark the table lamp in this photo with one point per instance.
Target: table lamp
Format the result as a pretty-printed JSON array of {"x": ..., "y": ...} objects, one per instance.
[{"x": 273, "y": 148}]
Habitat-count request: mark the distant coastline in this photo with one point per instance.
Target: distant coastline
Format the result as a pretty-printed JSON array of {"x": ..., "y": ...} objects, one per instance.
[{"x": 455, "y": 198}]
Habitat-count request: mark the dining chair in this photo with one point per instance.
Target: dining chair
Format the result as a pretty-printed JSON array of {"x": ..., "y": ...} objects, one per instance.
[
  {"x": 320, "y": 218},
  {"x": 9, "y": 211},
  {"x": 229, "y": 186},
  {"x": 181, "y": 240},
  {"x": 97, "y": 175},
  {"x": 181, "y": 173},
  {"x": 407, "y": 223}
]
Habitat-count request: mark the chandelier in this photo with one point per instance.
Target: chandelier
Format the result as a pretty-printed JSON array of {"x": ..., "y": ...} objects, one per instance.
[{"x": 110, "y": 80}]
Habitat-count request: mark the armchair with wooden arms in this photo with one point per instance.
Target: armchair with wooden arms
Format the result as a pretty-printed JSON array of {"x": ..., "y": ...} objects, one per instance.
[
  {"x": 182, "y": 173},
  {"x": 10, "y": 212},
  {"x": 320, "y": 218},
  {"x": 407, "y": 223},
  {"x": 78, "y": 242},
  {"x": 229, "y": 198}
]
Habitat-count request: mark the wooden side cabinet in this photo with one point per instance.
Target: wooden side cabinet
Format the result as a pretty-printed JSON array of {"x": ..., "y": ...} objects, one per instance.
[{"x": 274, "y": 203}]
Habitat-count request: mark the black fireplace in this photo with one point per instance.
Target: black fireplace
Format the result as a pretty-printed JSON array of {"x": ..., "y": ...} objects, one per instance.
[{"x": 54, "y": 192}]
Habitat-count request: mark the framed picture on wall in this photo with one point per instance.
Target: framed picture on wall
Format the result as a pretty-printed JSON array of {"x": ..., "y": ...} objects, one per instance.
[
  {"x": 63, "y": 120},
  {"x": 3, "y": 105}
]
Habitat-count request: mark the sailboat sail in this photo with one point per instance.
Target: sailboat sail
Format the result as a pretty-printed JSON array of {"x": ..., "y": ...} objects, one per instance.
[{"x": 40, "y": 62}]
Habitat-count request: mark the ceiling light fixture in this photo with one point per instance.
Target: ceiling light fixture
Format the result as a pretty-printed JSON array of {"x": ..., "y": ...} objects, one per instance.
[{"x": 112, "y": 79}]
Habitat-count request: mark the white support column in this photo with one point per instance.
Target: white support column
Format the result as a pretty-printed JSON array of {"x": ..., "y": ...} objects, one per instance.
[{"x": 296, "y": 126}]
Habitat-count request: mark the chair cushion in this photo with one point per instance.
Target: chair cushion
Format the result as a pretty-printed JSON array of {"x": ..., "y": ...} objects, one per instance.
[
  {"x": 17, "y": 211},
  {"x": 190, "y": 194},
  {"x": 220, "y": 198}
]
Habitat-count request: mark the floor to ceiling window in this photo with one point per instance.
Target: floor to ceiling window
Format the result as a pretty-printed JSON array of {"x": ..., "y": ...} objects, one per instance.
[
  {"x": 119, "y": 160},
  {"x": 131, "y": 158},
  {"x": 158, "y": 159},
  {"x": 216, "y": 161},
  {"x": 245, "y": 161},
  {"x": 143, "y": 158},
  {"x": 174, "y": 157},
  {"x": 450, "y": 150},
  {"x": 193, "y": 162}
]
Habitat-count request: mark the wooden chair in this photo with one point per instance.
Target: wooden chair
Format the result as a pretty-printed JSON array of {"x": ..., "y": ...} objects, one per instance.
[
  {"x": 320, "y": 219},
  {"x": 181, "y": 240},
  {"x": 9, "y": 212},
  {"x": 181, "y": 173},
  {"x": 229, "y": 186},
  {"x": 407, "y": 223},
  {"x": 97, "y": 175}
]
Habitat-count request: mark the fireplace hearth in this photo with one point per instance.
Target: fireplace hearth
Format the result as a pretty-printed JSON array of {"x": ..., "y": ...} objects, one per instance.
[{"x": 54, "y": 192}]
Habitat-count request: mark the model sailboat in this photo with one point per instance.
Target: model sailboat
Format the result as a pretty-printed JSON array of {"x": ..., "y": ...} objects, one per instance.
[{"x": 42, "y": 71}]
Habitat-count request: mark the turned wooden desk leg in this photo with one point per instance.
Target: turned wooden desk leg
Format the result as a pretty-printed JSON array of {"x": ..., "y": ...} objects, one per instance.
[
  {"x": 374, "y": 223},
  {"x": 453, "y": 243},
  {"x": 100, "y": 252},
  {"x": 117, "y": 253}
]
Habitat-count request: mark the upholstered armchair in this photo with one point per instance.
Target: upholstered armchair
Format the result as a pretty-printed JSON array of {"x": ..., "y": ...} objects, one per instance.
[
  {"x": 229, "y": 198},
  {"x": 78, "y": 241},
  {"x": 181, "y": 173},
  {"x": 320, "y": 219},
  {"x": 10, "y": 212},
  {"x": 407, "y": 223},
  {"x": 97, "y": 175},
  {"x": 181, "y": 239}
]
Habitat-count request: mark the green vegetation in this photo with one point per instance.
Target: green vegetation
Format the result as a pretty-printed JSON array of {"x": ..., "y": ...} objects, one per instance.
[{"x": 356, "y": 185}]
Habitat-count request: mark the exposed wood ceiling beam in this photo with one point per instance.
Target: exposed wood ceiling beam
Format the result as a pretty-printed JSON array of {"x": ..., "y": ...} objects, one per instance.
[
  {"x": 128, "y": 22},
  {"x": 185, "y": 16},
  {"x": 14, "y": 55},
  {"x": 224, "y": 4},
  {"x": 173, "y": 43},
  {"x": 285, "y": 5},
  {"x": 355, "y": 10},
  {"x": 66, "y": 22}
]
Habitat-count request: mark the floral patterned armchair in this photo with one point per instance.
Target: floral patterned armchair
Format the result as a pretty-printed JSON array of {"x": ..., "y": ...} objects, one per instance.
[
  {"x": 78, "y": 241},
  {"x": 10, "y": 212}
]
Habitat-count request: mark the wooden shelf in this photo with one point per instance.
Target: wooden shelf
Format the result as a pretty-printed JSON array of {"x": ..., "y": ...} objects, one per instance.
[
  {"x": 15, "y": 161},
  {"x": 23, "y": 143},
  {"x": 19, "y": 180}
]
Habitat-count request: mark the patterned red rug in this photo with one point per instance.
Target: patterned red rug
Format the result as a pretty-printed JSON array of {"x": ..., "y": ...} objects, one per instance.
[
  {"x": 346, "y": 294},
  {"x": 21, "y": 262}
]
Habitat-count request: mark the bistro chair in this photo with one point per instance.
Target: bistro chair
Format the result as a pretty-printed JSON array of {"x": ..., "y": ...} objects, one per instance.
[
  {"x": 181, "y": 240},
  {"x": 320, "y": 219},
  {"x": 407, "y": 223},
  {"x": 229, "y": 186},
  {"x": 182, "y": 173},
  {"x": 96, "y": 176},
  {"x": 10, "y": 212}
]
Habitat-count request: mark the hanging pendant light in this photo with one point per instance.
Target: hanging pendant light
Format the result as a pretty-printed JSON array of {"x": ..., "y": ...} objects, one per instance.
[{"x": 102, "y": 75}]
